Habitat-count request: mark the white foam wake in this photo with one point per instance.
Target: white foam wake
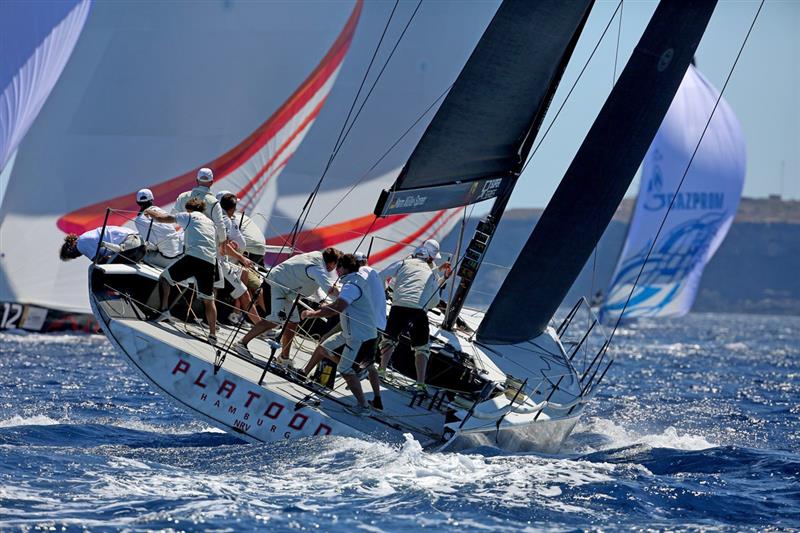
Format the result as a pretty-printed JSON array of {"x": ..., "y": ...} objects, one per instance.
[
  {"x": 35, "y": 420},
  {"x": 619, "y": 436}
]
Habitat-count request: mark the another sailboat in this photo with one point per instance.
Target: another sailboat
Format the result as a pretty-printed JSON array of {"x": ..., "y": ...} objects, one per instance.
[
  {"x": 506, "y": 378},
  {"x": 701, "y": 214},
  {"x": 36, "y": 41}
]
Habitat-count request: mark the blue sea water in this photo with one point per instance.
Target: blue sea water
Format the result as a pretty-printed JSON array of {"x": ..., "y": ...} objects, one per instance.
[{"x": 695, "y": 428}]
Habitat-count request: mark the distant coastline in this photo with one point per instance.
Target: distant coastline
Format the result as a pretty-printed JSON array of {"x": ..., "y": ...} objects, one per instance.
[
  {"x": 759, "y": 210},
  {"x": 756, "y": 270}
]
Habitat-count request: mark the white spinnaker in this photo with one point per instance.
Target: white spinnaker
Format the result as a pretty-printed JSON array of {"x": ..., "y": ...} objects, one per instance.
[
  {"x": 30, "y": 268},
  {"x": 36, "y": 40},
  {"x": 144, "y": 100},
  {"x": 701, "y": 214}
]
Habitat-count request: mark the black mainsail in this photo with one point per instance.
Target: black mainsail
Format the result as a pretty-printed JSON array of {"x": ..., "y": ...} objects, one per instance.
[
  {"x": 477, "y": 142},
  {"x": 599, "y": 175}
]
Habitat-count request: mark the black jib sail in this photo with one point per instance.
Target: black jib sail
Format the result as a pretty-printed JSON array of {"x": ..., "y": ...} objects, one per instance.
[
  {"x": 481, "y": 134},
  {"x": 598, "y": 177}
]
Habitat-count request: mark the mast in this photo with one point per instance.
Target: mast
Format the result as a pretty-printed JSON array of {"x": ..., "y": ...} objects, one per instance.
[
  {"x": 475, "y": 147},
  {"x": 475, "y": 252},
  {"x": 598, "y": 176}
]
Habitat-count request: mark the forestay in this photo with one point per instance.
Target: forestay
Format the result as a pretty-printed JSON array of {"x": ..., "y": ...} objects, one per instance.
[
  {"x": 598, "y": 176},
  {"x": 702, "y": 210},
  {"x": 481, "y": 134}
]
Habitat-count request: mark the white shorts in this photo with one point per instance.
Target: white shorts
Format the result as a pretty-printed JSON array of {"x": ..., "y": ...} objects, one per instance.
[
  {"x": 281, "y": 301},
  {"x": 233, "y": 275},
  {"x": 355, "y": 353}
]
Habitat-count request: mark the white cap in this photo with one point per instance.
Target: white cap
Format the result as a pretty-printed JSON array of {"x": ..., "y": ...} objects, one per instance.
[
  {"x": 220, "y": 194},
  {"x": 361, "y": 257},
  {"x": 144, "y": 195},
  {"x": 205, "y": 175},
  {"x": 431, "y": 247}
]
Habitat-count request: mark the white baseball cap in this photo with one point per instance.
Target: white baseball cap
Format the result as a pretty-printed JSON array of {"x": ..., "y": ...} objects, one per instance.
[
  {"x": 205, "y": 175},
  {"x": 431, "y": 246},
  {"x": 361, "y": 257},
  {"x": 220, "y": 194},
  {"x": 144, "y": 195}
]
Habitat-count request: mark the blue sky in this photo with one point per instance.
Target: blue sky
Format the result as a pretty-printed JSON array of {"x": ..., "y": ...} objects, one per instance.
[{"x": 764, "y": 92}]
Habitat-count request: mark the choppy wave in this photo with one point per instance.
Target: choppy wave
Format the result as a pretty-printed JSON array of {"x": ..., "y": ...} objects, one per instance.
[{"x": 696, "y": 429}]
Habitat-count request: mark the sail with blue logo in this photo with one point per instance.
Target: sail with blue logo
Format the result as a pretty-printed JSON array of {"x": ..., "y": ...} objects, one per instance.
[
  {"x": 36, "y": 40},
  {"x": 702, "y": 211}
]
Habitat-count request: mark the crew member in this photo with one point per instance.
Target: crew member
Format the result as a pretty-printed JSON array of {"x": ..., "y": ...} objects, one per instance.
[
  {"x": 164, "y": 242},
  {"x": 303, "y": 275},
  {"x": 255, "y": 242},
  {"x": 116, "y": 240},
  {"x": 236, "y": 268},
  {"x": 415, "y": 291},
  {"x": 205, "y": 178},
  {"x": 358, "y": 335},
  {"x": 377, "y": 292},
  {"x": 199, "y": 260}
]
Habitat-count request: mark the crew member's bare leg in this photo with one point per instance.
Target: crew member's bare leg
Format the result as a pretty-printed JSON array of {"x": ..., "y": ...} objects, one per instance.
[
  {"x": 257, "y": 330},
  {"x": 288, "y": 337},
  {"x": 211, "y": 315},
  {"x": 355, "y": 387},
  {"x": 386, "y": 355},
  {"x": 319, "y": 354},
  {"x": 375, "y": 382},
  {"x": 163, "y": 290},
  {"x": 421, "y": 362}
]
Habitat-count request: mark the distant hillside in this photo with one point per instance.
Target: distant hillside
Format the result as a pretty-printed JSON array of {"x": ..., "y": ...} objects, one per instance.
[
  {"x": 771, "y": 209},
  {"x": 754, "y": 271}
]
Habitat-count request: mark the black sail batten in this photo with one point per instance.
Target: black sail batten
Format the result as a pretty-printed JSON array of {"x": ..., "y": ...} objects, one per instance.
[
  {"x": 477, "y": 141},
  {"x": 598, "y": 176}
]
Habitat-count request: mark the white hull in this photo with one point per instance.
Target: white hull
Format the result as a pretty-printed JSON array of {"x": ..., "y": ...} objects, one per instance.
[{"x": 261, "y": 406}]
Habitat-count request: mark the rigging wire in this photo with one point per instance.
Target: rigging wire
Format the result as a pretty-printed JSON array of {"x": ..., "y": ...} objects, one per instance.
[
  {"x": 363, "y": 81},
  {"x": 346, "y": 129},
  {"x": 378, "y": 77},
  {"x": 566, "y": 98},
  {"x": 685, "y": 172},
  {"x": 382, "y": 157},
  {"x": 300, "y": 221},
  {"x": 597, "y": 233},
  {"x": 613, "y": 82}
]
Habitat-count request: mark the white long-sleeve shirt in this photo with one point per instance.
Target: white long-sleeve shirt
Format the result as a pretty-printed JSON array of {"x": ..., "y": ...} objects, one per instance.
[
  {"x": 304, "y": 274},
  {"x": 115, "y": 235},
  {"x": 167, "y": 240}
]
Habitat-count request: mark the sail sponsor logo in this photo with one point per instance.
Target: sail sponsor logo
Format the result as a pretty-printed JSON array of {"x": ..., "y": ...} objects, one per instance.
[
  {"x": 412, "y": 200},
  {"x": 490, "y": 189},
  {"x": 254, "y": 410},
  {"x": 659, "y": 279},
  {"x": 685, "y": 201}
]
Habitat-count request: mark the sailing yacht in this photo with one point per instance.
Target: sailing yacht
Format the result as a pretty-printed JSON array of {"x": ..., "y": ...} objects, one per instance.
[
  {"x": 508, "y": 377},
  {"x": 38, "y": 39},
  {"x": 702, "y": 210}
]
